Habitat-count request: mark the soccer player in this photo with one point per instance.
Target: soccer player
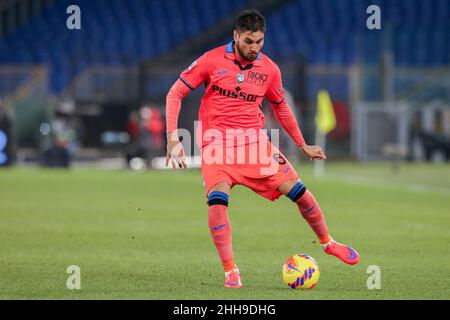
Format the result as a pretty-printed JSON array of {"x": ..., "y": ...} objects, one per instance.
[{"x": 237, "y": 77}]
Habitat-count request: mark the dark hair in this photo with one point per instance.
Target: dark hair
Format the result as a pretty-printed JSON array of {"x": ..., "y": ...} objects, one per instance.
[{"x": 250, "y": 20}]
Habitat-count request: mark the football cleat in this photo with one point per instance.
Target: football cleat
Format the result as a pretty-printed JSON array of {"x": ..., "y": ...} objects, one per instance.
[
  {"x": 233, "y": 279},
  {"x": 342, "y": 251}
]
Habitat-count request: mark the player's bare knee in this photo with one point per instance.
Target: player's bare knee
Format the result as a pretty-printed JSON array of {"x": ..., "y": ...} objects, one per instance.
[
  {"x": 221, "y": 187},
  {"x": 287, "y": 186}
]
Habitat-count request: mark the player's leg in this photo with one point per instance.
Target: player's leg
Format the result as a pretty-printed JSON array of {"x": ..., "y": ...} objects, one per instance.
[
  {"x": 308, "y": 207},
  {"x": 311, "y": 212},
  {"x": 220, "y": 228}
]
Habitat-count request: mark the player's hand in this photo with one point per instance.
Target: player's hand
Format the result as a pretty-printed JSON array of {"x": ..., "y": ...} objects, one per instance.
[
  {"x": 313, "y": 152},
  {"x": 175, "y": 152}
]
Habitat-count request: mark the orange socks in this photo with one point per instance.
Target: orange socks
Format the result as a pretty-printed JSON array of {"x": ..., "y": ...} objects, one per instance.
[
  {"x": 310, "y": 210},
  {"x": 228, "y": 265},
  {"x": 220, "y": 228}
]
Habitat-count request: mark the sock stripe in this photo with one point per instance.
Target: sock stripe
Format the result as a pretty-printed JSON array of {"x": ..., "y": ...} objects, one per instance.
[
  {"x": 297, "y": 191},
  {"x": 218, "y": 197},
  {"x": 296, "y": 188},
  {"x": 219, "y": 194},
  {"x": 217, "y": 201}
]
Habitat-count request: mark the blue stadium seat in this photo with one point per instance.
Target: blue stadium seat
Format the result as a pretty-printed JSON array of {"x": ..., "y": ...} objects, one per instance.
[
  {"x": 324, "y": 31},
  {"x": 328, "y": 31},
  {"x": 113, "y": 31}
]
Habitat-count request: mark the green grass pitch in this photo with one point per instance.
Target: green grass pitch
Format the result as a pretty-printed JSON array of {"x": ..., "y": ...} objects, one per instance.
[{"x": 145, "y": 235}]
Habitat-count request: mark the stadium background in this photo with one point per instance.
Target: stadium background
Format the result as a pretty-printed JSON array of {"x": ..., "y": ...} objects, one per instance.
[{"x": 93, "y": 99}]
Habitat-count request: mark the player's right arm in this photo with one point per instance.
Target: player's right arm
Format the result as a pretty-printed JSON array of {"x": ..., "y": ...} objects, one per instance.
[
  {"x": 189, "y": 80},
  {"x": 175, "y": 152}
]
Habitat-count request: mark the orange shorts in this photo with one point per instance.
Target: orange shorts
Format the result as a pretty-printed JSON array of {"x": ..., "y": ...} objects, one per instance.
[{"x": 259, "y": 166}]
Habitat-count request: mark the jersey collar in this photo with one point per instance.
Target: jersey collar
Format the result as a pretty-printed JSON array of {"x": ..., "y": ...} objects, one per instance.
[{"x": 229, "y": 53}]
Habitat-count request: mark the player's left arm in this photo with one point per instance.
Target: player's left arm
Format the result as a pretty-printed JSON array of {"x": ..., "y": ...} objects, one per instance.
[{"x": 276, "y": 97}]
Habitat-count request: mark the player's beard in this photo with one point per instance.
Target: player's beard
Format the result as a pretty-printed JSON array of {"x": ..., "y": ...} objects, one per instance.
[{"x": 246, "y": 57}]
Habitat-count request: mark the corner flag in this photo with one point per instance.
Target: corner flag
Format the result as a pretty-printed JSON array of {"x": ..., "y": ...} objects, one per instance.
[
  {"x": 325, "y": 122},
  {"x": 325, "y": 117}
]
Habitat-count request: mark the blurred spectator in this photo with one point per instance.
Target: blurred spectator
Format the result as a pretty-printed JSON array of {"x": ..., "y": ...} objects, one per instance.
[
  {"x": 135, "y": 149},
  {"x": 155, "y": 126},
  {"x": 133, "y": 128},
  {"x": 146, "y": 131},
  {"x": 61, "y": 137},
  {"x": 57, "y": 155}
]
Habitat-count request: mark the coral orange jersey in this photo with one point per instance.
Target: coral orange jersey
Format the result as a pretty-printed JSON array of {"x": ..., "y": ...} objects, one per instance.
[
  {"x": 233, "y": 92},
  {"x": 233, "y": 97}
]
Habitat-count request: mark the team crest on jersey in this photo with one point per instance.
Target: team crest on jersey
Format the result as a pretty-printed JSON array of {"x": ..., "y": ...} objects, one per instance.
[{"x": 240, "y": 78}]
